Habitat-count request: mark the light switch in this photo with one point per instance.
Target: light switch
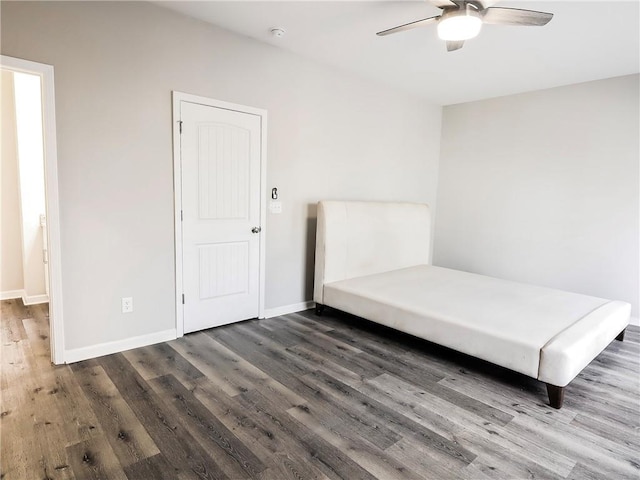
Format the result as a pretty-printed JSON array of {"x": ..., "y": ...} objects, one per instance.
[{"x": 275, "y": 207}]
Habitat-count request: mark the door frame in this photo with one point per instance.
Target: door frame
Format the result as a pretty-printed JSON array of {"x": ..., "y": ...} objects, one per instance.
[
  {"x": 56, "y": 319},
  {"x": 179, "y": 97}
]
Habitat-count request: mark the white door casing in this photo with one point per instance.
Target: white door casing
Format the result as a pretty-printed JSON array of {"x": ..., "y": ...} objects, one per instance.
[
  {"x": 54, "y": 257},
  {"x": 45, "y": 252},
  {"x": 219, "y": 243}
]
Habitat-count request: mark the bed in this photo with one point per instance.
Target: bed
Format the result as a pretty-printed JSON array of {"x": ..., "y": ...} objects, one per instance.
[{"x": 372, "y": 261}]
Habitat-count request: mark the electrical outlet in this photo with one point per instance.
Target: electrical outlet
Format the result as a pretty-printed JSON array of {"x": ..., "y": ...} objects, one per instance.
[{"x": 127, "y": 304}]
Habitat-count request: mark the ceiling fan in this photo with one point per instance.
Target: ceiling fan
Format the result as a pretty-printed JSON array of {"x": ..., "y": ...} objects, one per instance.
[{"x": 462, "y": 19}]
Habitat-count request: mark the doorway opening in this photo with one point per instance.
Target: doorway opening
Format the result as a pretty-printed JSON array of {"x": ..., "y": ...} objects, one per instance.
[{"x": 30, "y": 246}]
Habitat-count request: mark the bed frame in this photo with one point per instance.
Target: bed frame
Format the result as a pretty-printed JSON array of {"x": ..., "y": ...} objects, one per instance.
[{"x": 373, "y": 261}]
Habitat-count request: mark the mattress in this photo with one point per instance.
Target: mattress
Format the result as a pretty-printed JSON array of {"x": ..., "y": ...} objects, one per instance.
[{"x": 500, "y": 321}]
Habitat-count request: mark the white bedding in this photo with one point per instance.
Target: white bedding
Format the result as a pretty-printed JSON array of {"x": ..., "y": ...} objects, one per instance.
[
  {"x": 372, "y": 260},
  {"x": 503, "y": 322}
]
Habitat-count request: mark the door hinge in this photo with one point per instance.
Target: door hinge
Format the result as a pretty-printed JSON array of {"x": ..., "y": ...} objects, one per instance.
[
  {"x": 181, "y": 216},
  {"x": 183, "y": 298},
  {"x": 180, "y": 123}
]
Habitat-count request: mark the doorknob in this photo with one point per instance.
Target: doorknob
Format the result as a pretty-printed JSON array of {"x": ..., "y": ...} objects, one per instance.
[{"x": 256, "y": 230}]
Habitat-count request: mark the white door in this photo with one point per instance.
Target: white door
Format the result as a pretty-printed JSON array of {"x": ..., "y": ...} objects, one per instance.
[{"x": 220, "y": 154}]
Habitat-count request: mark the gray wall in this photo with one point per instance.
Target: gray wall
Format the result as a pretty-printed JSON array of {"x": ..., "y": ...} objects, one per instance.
[
  {"x": 543, "y": 188},
  {"x": 331, "y": 135}
]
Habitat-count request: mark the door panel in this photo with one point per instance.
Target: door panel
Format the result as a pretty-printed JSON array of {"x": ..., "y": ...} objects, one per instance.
[
  {"x": 220, "y": 154},
  {"x": 224, "y": 163},
  {"x": 224, "y": 269}
]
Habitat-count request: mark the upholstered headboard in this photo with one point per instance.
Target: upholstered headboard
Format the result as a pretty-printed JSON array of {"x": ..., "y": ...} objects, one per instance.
[{"x": 362, "y": 238}]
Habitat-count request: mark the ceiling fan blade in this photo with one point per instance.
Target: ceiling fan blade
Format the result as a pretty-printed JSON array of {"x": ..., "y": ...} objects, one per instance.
[
  {"x": 408, "y": 26},
  {"x": 454, "y": 45},
  {"x": 443, "y": 3},
  {"x": 515, "y": 16}
]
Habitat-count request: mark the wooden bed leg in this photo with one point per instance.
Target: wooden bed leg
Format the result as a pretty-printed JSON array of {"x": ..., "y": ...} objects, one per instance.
[
  {"x": 556, "y": 395},
  {"x": 620, "y": 336},
  {"x": 319, "y": 309}
]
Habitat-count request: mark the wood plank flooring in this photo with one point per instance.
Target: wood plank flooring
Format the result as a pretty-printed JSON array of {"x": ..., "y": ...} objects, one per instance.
[{"x": 306, "y": 397}]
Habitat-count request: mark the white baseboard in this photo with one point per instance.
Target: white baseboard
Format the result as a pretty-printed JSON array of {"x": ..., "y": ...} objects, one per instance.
[
  {"x": 635, "y": 321},
  {"x": 11, "y": 294},
  {"x": 85, "y": 353},
  {"x": 27, "y": 300},
  {"x": 286, "y": 309},
  {"x": 35, "y": 299}
]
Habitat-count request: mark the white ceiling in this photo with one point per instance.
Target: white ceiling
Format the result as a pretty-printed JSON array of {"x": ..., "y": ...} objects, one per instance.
[{"x": 586, "y": 40}]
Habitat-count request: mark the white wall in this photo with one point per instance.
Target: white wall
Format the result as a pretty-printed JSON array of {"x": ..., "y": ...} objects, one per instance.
[
  {"x": 543, "y": 188},
  {"x": 11, "y": 279},
  {"x": 331, "y": 135},
  {"x": 28, "y": 105}
]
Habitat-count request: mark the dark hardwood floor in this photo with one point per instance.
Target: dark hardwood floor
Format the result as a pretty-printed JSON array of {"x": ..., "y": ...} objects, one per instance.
[{"x": 302, "y": 397}]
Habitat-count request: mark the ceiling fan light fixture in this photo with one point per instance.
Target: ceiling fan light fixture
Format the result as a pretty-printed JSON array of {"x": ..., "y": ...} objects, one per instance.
[{"x": 459, "y": 25}]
